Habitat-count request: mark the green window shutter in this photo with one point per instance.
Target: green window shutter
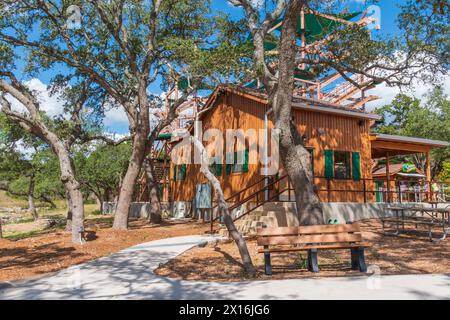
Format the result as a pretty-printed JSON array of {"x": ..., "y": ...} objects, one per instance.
[
  {"x": 219, "y": 167},
  {"x": 175, "y": 173},
  {"x": 245, "y": 166},
  {"x": 329, "y": 164},
  {"x": 228, "y": 165},
  {"x": 183, "y": 172},
  {"x": 356, "y": 166},
  {"x": 228, "y": 169}
]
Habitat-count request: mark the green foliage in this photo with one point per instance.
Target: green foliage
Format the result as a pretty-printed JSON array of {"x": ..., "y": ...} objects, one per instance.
[
  {"x": 222, "y": 54},
  {"x": 101, "y": 169},
  {"x": 407, "y": 116},
  {"x": 445, "y": 173},
  {"x": 23, "y": 156}
]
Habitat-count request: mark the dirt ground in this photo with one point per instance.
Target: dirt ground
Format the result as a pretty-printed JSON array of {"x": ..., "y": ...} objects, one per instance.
[
  {"x": 410, "y": 253},
  {"x": 54, "y": 251}
]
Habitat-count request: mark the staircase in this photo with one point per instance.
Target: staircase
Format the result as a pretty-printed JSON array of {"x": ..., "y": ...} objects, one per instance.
[{"x": 271, "y": 214}]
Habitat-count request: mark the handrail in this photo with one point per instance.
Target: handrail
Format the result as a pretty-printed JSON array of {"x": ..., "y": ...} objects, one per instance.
[
  {"x": 238, "y": 193},
  {"x": 263, "y": 203},
  {"x": 252, "y": 196}
]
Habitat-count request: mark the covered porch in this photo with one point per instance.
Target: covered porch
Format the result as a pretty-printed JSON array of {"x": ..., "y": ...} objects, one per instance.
[{"x": 394, "y": 184}]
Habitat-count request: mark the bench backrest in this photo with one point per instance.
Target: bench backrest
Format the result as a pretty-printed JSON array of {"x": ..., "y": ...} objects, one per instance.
[{"x": 325, "y": 234}]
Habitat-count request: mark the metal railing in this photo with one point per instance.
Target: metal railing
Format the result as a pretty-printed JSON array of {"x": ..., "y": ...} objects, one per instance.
[{"x": 273, "y": 189}]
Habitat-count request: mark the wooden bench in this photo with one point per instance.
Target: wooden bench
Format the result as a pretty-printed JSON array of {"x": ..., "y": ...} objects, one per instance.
[{"x": 312, "y": 239}]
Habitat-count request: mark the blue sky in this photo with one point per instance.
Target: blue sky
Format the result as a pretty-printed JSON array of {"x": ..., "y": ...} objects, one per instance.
[{"x": 116, "y": 120}]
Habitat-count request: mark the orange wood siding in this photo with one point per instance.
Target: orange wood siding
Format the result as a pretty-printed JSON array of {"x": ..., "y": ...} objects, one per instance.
[
  {"x": 232, "y": 111},
  {"x": 338, "y": 133},
  {"x": 323, "y": 131}
]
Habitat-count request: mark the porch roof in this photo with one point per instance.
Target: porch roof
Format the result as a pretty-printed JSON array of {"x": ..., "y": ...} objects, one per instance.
[{"x": 401, "y": 145}]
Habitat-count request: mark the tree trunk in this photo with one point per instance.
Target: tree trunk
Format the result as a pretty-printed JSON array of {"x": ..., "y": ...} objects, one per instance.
[
  {"x": 153, "y": 188},
  {"x": 294, "y": 157},
  {"x": 99, "y": 200},
  {"x": 72, "y": 187},
  {"x": 129, "y": 181},
  {"x": 116, "y": 195},
  {"x": 1, "y": 229},
  {"x": 69, "y": 213},
  {"x": 31, "y": 204},
  {"x": 223, "y": 209}
]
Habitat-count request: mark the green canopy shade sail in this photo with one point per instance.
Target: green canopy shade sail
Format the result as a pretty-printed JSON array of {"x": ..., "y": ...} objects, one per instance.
[
  {"x": 184, "y": 82},
  {"x": 318, "y": 27},
  {"x": 164, "y": 136}
]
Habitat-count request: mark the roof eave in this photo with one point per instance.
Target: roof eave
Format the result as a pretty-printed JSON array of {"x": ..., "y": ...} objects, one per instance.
[
  {"x": 348, "y": 113},
  {"x": 412, "y": 140}
]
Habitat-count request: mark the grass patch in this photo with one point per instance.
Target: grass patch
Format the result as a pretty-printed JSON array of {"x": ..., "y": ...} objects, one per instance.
[
  {"x": 15, "y": 236},
  {"x": 10, "y": 202}
]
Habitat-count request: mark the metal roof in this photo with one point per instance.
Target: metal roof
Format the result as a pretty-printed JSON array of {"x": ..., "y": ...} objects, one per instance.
[{"x": 422, "y": 141}]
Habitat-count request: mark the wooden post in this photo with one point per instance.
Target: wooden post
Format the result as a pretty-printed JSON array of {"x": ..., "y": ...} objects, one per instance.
[
  {"x": 388, "y": 174},
  {"x": 428, "y": 174}
]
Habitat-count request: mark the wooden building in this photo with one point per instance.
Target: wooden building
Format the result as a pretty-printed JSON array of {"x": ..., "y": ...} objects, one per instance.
[{"x": 338, "y": 138}]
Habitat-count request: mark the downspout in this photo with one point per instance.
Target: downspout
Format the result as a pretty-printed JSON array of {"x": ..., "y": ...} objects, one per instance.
[{"x": 266, "y": 152}]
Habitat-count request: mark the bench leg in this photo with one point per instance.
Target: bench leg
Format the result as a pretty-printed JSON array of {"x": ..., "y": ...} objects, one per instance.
[
  {"x": 267, "y": 265},
  {"x": 361, "y": 260},
  {"x": 313, "y": 264}
]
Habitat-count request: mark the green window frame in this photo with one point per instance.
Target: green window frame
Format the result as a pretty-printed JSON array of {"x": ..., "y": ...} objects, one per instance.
[
  {"x": 341, "y": 165},
  {"x": 179, "y": 172},
  {"x": 216, "y": 167},
  {"x": 236, "y": 167}
]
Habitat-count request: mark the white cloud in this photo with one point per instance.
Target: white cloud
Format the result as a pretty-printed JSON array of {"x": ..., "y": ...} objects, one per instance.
[
  {"x": 387, "y": 94},
  {"x": 50, "y": 104},
  {"x": 53, "y": 105},
  {"x": 115, "y": 116}
]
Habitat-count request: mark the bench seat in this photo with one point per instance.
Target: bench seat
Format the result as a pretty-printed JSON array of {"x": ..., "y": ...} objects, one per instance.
[
  {"x": 324, "y": 247},
  {"x": 312, "y": 239}
]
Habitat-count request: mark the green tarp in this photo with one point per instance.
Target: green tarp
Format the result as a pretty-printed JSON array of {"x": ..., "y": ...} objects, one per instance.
[{"x": 317, "y": 27}]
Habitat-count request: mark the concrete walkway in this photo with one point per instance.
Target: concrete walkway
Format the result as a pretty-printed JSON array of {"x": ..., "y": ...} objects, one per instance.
[{"x": 128, "y": 274}]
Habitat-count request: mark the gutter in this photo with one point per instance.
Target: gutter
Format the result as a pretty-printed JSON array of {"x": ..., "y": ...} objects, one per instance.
[{"x": 335, "y": 110}]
